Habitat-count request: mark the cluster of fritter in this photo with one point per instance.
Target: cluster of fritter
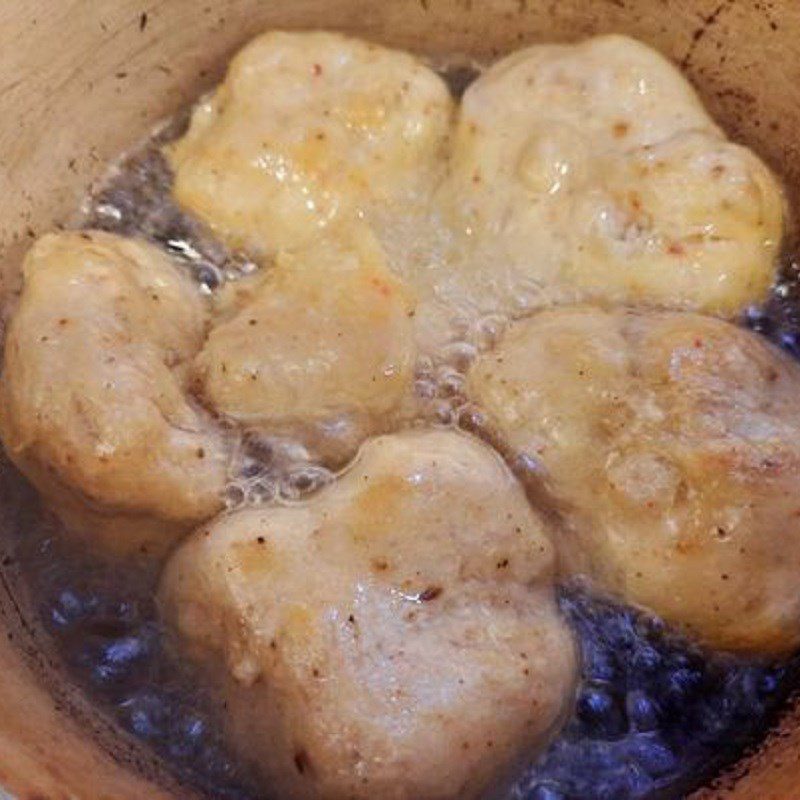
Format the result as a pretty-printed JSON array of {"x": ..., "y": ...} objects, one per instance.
[{"x": 568, "y": 241}]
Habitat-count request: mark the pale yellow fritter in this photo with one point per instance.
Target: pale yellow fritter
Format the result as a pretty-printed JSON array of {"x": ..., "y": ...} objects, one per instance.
[
  {"x": 318, "y": 349},
  {"x": 670, "y": 443},
  {"x": 93, "y": 404},
  {"x": 309, "y": 129},
  {"x": 593, "y": 172},
  {"x": 395, "y": 636}
]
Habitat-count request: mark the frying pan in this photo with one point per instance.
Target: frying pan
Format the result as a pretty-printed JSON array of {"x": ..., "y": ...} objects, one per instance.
[{"x": 83, "y": 80}]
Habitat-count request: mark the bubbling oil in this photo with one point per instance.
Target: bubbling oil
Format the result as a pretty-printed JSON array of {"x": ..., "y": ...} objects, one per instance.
[{"x": 654, "y": 714}]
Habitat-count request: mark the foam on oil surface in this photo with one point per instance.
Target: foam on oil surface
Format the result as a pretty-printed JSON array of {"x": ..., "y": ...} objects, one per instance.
[{"x": 654, "y": 715}]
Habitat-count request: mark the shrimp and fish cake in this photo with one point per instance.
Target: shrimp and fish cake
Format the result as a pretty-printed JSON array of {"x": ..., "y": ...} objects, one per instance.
[
  {"x": 671, "y": 444},
  {"x": 94, "y": 403},
  {"x": 308, "y": 130},
  {"x": 592, "y": 171},
  {"x": 318, "y": 349},
  {"x": 394, "y": 636}
]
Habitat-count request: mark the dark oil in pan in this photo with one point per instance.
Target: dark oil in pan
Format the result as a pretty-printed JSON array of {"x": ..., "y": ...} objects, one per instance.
[{"x": 653, "y": 714}]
